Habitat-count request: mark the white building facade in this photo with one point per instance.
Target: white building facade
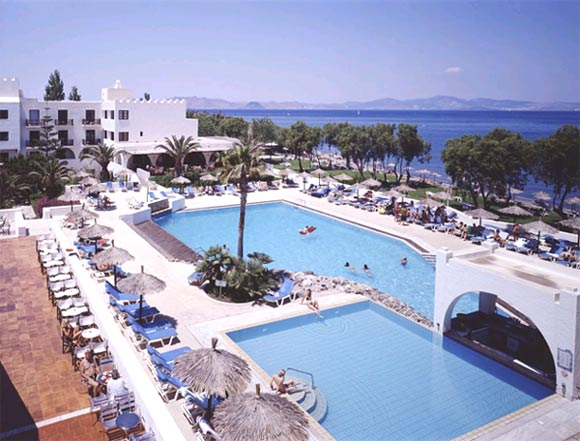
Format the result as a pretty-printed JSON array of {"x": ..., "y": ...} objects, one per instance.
[{"x": 133, "y": 126}]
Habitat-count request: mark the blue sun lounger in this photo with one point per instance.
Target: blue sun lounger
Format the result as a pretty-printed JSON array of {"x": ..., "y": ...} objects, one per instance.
[
  {"x": 168, "y": 356},
  {"x": 120, "y": 296},
  {"x": 554, "y": 253},
  {"x": 148, "y": 328},
  {"x": 153, "y": 336},
  {"x": 122, "y": 186},
  {"x": 283, "y": 293},
  {"x": 110, "y": 187}
]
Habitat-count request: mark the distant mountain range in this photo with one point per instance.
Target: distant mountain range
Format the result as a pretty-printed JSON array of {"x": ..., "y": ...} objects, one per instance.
[{"x": 433, "y": 103}]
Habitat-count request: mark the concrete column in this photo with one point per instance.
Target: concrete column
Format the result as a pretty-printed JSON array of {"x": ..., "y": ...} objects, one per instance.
[
  {"x": 441, "y": 320},
  {"x": 487, "y": 302},
  {"x": 567, "y": 352}
]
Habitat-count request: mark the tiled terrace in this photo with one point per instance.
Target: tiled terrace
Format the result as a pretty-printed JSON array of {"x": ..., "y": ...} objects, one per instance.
[{"x": 38, "y": 382}]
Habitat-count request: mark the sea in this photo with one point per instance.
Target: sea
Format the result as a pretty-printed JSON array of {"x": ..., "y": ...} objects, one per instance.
[{"x": 436, "y": 126}]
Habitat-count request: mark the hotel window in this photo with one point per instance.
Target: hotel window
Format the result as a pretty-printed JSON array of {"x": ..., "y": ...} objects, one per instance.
[
  {"x": 3, "y": 136},
  {"x": 3, "y": 114},
  {"x": 105, "y": 134},
  {"x": 123, "y": 114},
  {"x": 123, "y": 136},
  {"x": 112, "y": 136},
  {"x": 140, "y": 133},
  {"x": 105, "y": 114},
  {"x": 112, "y": 114}
]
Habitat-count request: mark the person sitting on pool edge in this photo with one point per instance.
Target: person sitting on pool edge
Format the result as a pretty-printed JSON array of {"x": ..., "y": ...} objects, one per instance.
[
  {"x": 279, "y": 385},
  {"x": 310, "y": 302}
]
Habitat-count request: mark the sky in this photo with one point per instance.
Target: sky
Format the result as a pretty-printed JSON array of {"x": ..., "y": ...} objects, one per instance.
[{"x": 311, "y": 51}]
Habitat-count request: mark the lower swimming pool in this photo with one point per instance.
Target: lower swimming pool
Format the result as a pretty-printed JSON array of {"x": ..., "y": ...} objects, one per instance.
[
  {"x": 274, "y": 229},
  {"x": 387, "y": 378}
]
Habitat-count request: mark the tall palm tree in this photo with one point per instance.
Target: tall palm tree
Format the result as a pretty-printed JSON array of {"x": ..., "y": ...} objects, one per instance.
[
  {"x": 241, "y": 162},
  {"x": 50, "y": 173},
  {"x": 178, "y": 149},
  {"x": 101, "y": 154}
]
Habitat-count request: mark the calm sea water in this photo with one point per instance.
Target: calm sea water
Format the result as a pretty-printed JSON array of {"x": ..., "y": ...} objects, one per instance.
[{"x": 434, "y": 126}]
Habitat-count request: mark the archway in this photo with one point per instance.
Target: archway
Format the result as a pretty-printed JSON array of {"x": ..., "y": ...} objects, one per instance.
[
  {"x": 164, "y": 160},
  {"x": 491, "y": 325},
  {"x": 138, "y": 161},
  {"x": 195, "y": 158},
  {"x": 64, "y": 153}
]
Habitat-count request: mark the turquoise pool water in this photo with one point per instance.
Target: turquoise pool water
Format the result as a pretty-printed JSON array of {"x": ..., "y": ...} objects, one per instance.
[
  {"x": 386, "y": 378},
  {"x": 274, "y": 229}
]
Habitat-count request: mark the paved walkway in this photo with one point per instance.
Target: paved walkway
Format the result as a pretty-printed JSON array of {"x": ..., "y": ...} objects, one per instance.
[{"x": 38, "y": 382}]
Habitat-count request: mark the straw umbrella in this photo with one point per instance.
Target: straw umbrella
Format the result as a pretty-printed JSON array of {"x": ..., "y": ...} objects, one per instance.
[
  {"x": 141, "y": 283},
  {"x": 371, "y": 183},
  {"x": 112, "y": 256},
  {"x": 212, "y": 371},
  {"x": 403, "y": 188},
  {"x": 285, "y": 172},
  {"x": 429, "y": 203},
  {"x": 94, "y": 232},
  {"x": 343, "y": 177},
  {"x": 318, "y": 172},
  {"x": 540, "y": 227},
  {"x": 71, "y": 197},
  {"x": 573, "y": 223},
  {"x": 208, "y": 178},
  {"x": 180, "y": 180},
  {"x": 481, "y": 214},
  {"x": 330, "y": 180},
  {"x": 515, "y": 211},
  {"x": 82, "y": 214},
  {"x": 260, "y": 416},
  {"x": 542, "y": 195}
]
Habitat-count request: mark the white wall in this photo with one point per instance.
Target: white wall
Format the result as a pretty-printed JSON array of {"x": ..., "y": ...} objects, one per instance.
[
  {"x": 555, "y": 311},
  {"x": 12, "y": 126}
]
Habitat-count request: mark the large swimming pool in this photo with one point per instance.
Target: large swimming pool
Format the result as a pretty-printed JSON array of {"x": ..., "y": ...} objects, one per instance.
[
  {"x": 386, "y": 378},
  {"x": 274, "y": 229}
]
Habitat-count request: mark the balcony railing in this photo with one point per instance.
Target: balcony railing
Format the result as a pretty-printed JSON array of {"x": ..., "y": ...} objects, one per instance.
[
  {"x": 66, "y": 142},
  {"x": 92, "y": 122},
  {"x": 34, "y": 123},
  {"x": 63, "y": 122},
  {"x": 91, "y": 141}
]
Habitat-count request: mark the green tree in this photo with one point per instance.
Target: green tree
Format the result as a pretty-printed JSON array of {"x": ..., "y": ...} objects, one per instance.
[
  {"x": 355, "y": 142},
  {"x": 48, "y": 142},
  {"x": 101, "y": 154},
  {"x": 556, "y": 162},
  {"x": 208, "y": 123},
  {"x": 234, "y": 128},
  {"x": 178, "y": 149},
  {"x": 74, "y": 94},
  {"x": 51, "y": 175},
  {"x": 216, "y": 262},
  {"x": 241, "y": 163},
  {"x": 411, "y": 147},
  {"x": 301, "y": 140},
  {"x": 330, "y": 134},
  {"x": 265, "y": 131},
  {"x": 54, "y": 90},
  {"x": 250, "y": 279},
  {"x": 383, "y": 146}
]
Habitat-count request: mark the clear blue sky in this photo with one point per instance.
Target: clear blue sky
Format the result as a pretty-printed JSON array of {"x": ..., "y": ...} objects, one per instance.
[{"x": 314, "y": 51}]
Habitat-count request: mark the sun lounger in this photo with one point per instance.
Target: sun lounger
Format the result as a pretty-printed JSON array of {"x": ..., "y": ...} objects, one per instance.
[
  {"x": 323, "y": 192},
  {"x": 169, "y": 386},
  {"x": 152, "y": 336},
  {"x": 153, "y": 196},
  {"x": 110, "y": 187},
  {"x": 168, "y": 356},
  {"x": 122, "y": 186},
  {"x": 283, "y": 293},
  {"x": 120, "y": 296},
  {"x": 134, "y": 203},
  {"x": 232, "y": 190},
  {"x": 219, "y": 190},
  {"x": 554, "y": 253},
  {"x": 149, "y": 328},
  {"x": 529, "y": 247},
  {"x": 513, "y": 246}
]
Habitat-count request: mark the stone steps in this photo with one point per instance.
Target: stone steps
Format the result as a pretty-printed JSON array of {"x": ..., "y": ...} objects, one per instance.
[{"x": 310, "y": 399}]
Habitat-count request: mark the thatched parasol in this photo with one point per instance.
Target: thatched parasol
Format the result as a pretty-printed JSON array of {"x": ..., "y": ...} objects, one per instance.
[
  {"x": 71, "y": 197},
  {"x": 141, "y": 283},
  {"x": 260, "y": 417},
  {"x": 95, "y": 232},
  {"x": 180, "y": 180},
  {"x": 515, "y": 210},
  {"x": 343, "y": 177},
  {"x": 112, "y": 256},
  {"x": 573, "y": 200},
  {"x": 441, "y": 195},
  {"x": 542, "y": 195},
  {"x": 208, "y": 178},
  {"x": 573, "y": 223},
  {"x": 212, "y": 371},
  {"x": 429, "y": 203},
  {"x": 285, "y": 172},
  {"x": 481, "y": 214},
  {"x": 539, "y": 227},
  {"x": 403, "y": 188},
  {"x": 97, "y": 187},
  {"x": 371, "y": 183},
  {"x": 393, "y": 194},
  {"x": 89, "y": 180},
  {"x": 83, "y": 213},
  {"x": 330, "y": 180},
  {"x": 318, "y": 172}
]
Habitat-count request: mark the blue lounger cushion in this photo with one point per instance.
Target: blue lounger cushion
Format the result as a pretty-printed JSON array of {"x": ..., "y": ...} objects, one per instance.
[{"x": 168, "y": 356}]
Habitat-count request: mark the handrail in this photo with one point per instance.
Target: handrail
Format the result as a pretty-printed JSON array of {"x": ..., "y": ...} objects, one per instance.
[
  {"x": 301, "y": 202},
  {"x": 303, "y": 372}
]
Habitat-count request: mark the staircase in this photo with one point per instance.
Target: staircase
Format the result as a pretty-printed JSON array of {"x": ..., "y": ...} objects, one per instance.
[
  {"x": 309, "y": 398},
  {"x": 430, "y": 258}
]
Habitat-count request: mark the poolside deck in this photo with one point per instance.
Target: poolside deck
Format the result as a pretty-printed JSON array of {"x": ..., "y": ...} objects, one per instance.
[
  {"x": 172, "y": 248},
  {"x": 42, "y": 396}
]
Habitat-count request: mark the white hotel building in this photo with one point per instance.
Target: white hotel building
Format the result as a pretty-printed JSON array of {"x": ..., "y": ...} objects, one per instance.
[{"x": 133, "y": 126}]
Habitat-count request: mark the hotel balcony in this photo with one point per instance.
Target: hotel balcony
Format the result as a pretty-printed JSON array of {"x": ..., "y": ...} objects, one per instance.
[
  {"x": 63, "y": 122},
  {"x": 92, "y": 122},
  {"x": 66, "y": 142},
  {"x": 32, "y": 142},
  {"x": 91, "y": 141},
  {"x": 34, "y": 123}
]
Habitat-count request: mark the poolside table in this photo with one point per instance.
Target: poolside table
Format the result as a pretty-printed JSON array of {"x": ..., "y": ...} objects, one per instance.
[
  {"x": 127, "y": 421},
  {"x": 91, "y": 334},
  {"x": 74, "y": 311}
]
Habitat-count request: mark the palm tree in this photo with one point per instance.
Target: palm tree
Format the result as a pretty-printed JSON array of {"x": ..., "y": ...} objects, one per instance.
[
  {"x": 50, "y": 173},
  {"x": 178, "y": 149},
  {"x": 101, "y": 154},
  {"x": 242, "y": 162}
]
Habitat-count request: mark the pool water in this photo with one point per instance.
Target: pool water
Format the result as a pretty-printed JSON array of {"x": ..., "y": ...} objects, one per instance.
[
  {"x": 274, "y": 229},
  {"x": 386, "y": 378}
]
